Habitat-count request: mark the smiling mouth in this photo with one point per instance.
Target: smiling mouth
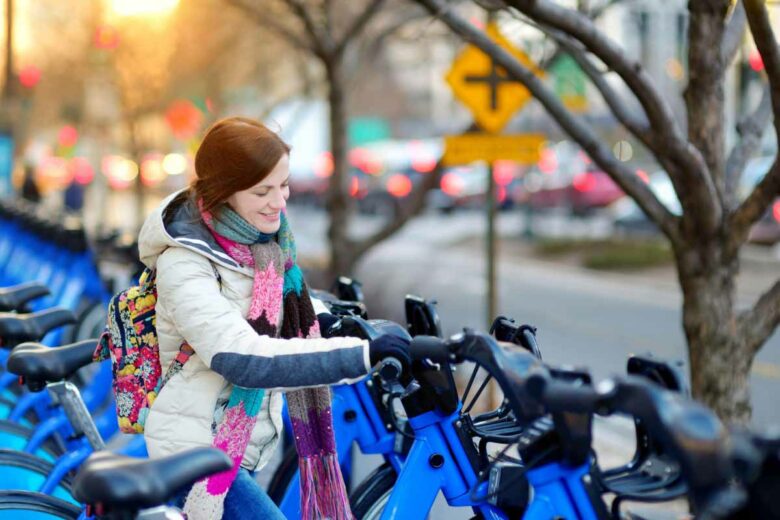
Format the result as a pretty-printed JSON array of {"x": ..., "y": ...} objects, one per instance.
[{"x": 270, "y": 216}]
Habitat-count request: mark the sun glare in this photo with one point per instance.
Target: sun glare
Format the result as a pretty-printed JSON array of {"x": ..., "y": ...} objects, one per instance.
[{"x": 142, "y": 7}]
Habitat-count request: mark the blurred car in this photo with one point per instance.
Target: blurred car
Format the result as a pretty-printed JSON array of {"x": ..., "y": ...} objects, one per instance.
[
  {"x": 581, "y": 193},
  {"x": 465, "y": 187},
  {"x": 592, "y": 189},
  {"x": 628, "y": 217},
  {"x": 381, "y": 174},
  {"x": 767, "y": 229},
  {"x": 565, "y": 177},
  {"x": 459, "y": 187},
  {"x": 385, "y": 172}
]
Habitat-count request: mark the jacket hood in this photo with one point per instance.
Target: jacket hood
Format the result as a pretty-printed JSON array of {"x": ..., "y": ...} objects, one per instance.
[{"x": 176, "y": 222}]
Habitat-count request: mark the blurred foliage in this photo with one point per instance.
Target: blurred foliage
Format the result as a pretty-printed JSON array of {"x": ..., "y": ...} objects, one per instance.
[
  {"x": 199, "y": 50},
  {"x": 610, "y": 254}
]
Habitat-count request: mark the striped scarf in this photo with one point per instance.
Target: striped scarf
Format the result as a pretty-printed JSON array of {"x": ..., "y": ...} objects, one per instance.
[{"x": 278, "y": 288}]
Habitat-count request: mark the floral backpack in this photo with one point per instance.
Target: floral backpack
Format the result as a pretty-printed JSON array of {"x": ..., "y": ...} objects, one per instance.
[{"x": 130, "y": 340}]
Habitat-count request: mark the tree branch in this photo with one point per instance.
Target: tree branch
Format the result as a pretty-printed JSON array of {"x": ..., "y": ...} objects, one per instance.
[
  {"x": 635, "y": 125},
  {"x": 322, "y": 44},
  {"x": 582, "y": 29},
  {"x": 769, "y": 187},
  {"x": 755, "y": 204},
  {"x": 750, "y": 130},
  {"x": 419, "y": 197},
  {"x": 733, "y": 35},
  {"x": 327, "y": 14},
  {"x": 409, "y": 210},
  {"x": 358, "y": 24},
  {"x": 378, "y": 39},
  {"x": 594, "y": 14},
  {"x": 582, "y": 133},
  {"x": 272, "y": 25},
  {"x": 704, "y": 95},
  {"x": 765, "y": 41},
  {"x": 691, "y": 176},
  {"x": 758, "y": 323}
]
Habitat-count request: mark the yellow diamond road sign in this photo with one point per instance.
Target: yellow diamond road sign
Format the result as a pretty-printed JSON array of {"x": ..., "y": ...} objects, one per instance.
[{"x": 485, "y": 88}]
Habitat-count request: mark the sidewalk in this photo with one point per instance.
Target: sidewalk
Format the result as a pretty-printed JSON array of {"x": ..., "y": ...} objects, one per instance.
[{"x": 759, "y": 266}]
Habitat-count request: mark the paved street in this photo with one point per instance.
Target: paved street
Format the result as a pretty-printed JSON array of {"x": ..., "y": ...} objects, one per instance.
[{"x": 584, "y": 317}]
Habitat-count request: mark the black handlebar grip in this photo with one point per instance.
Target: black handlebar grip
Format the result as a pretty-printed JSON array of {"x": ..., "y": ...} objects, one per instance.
[
  {"x": 558, "y": 396},
  {"x": 429, "y": 347}
]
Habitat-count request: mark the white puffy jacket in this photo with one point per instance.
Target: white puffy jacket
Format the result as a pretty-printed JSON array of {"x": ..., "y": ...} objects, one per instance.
[{"x": 203, "y": 299}]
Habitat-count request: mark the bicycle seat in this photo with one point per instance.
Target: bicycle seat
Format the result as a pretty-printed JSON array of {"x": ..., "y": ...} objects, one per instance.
[
  {"x": 119, "y": 482},
  {"x": 18, "y": 328},
  {"x": 36, "y": 362},
  {"x": 14, "y": 298}
]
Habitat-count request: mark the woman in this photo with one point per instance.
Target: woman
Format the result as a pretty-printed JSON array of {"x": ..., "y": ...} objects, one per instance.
[{"x": 236, "y": 325}]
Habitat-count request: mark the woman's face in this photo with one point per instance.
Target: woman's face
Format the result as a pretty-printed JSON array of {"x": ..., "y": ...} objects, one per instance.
[{"x": 262, "y": 204}]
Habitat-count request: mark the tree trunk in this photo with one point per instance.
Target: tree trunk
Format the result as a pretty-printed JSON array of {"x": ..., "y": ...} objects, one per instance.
[
  {"x": 337, "y": 199},
  {"x": 720, "y": 362},
  {"x": 131, "y": 123}
]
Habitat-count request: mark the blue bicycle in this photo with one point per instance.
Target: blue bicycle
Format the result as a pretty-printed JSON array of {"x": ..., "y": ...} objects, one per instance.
[
  {"x": 40, "y": 367},
  {"x": 361, "y": 411},
  {"x": 554, "y": 475},
  {"x": 116, "y": 487}
]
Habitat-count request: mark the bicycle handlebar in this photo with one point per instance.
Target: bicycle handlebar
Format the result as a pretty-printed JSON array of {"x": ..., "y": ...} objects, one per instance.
[
  {"x": 505, "y": 329},
  {"x": 390, "y": 369},
  {"x": 429, "y": 347},
  {"x": 688, "y": 431},
  {"x": 510, "y": 369},
  {"x": 558, "y": 396},
  {"x": 691, "y": 433}
]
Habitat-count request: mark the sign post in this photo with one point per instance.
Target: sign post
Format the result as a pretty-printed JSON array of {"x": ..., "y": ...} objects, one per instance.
[{"x": 493, "y": 98}]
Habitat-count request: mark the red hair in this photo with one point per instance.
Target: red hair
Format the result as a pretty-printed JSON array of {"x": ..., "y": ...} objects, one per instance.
[{"x": 236, "y": 153}]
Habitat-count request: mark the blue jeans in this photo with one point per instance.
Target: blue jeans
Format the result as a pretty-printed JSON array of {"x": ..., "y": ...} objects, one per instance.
[{"x": 245, "y": 500}]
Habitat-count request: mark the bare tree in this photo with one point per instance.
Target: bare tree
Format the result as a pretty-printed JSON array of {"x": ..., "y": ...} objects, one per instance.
[
  {"x": 706, "y": 239},
  {"x": 61, "y": 67},
  {"x": 193, "y": 52},
  {"x": 332, "y": 34}
]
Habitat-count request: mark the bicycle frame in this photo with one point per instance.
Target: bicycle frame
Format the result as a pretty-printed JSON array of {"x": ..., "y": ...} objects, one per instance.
[
  {"x": 560, "y": 491},
  {"x": 53, "y": 419},
  {"x": 436, "y": 463},
  {"x": 439, "y": 460},
  {"x": 74, "y": 417}
]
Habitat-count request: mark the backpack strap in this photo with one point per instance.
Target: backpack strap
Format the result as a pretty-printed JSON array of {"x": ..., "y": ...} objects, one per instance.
[
  {"x": 185, "y": 351},
  {"x": 147, "y": 278}
]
